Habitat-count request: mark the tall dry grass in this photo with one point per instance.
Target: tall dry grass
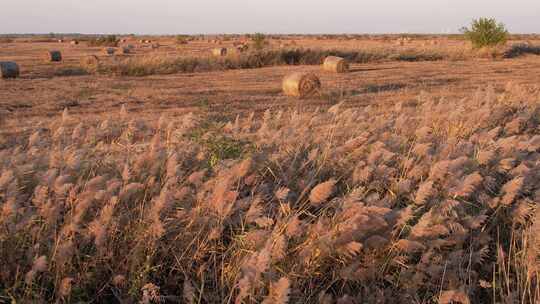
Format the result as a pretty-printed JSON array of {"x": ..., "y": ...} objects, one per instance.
[
  {"x": 426, "y": 201},
  {"x": 167, "y": 64}
]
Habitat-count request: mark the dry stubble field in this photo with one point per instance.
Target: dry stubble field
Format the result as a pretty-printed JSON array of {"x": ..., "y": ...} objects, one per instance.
[{"x": 402, "y": 181}]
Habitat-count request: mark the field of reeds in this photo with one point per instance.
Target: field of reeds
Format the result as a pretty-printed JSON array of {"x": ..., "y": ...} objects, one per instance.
[{"x": 429, "y": 200}]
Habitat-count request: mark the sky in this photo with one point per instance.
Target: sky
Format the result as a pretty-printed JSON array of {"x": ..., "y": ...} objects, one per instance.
[{"x": 268, "y": 16}]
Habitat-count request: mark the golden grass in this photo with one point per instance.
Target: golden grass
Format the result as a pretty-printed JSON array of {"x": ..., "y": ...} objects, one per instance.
[{"x": 425, "y": 201}]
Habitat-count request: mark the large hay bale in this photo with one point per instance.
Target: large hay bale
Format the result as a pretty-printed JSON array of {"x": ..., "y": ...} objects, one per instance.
[
  {"x": 301, "y": 84},
  {"x": 54, "y": 56},
  {"x": 9, "y": 69},
  {"x": 219, "y": 52},
  {"x": 335, "y": 64},
  {"x": 74, "y": 42},
  {"x": 110, "y": 51}
]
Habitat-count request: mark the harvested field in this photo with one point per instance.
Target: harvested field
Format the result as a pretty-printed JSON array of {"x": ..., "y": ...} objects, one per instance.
[{"x": 168, "y": 175}]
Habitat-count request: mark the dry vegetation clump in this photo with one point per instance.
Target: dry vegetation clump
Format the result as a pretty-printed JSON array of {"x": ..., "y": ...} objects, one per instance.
[
  {"x": 106, "y": 41},
  {"x": 166, "y": 64},
  {"x": 428, "y": 201},
  {"x": 517, "y": 50}
]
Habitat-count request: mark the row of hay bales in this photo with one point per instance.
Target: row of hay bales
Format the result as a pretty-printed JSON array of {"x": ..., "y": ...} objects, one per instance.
[
  {"x": 9, "y": 69},
  {"x": 302, "y": 85}
]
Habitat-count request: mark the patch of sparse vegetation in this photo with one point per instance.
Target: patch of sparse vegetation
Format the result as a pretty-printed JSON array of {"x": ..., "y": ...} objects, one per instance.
[
  {"x": 156, "y": 64},
  {"x": 259, "y": 41},
  {"x": 181, "y": 39},
  {"x": 109, "y": 41}
]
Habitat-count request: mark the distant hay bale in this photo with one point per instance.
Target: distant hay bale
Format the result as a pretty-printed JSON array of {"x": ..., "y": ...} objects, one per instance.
[
  {"x": 219, "y": 52},
  {"x": 125, "y": 50},
  {"x": 90, "y": 63},
  {"x": 110, "y": 51},
  {"x": 60, "y": 40},
  {"x": 90, "y": 60},
  {"x": 9, "y": 69},
  {"x": 53, "y": 56},
  {"x": 335, "y": 64},
  {"x": 155, "y": 46},
  {"x": 301, "y": 84},
  {"x": 74, "y": 42}
]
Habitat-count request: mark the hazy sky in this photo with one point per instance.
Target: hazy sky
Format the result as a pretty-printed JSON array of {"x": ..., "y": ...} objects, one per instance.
[{"x": 269, "y": 16}]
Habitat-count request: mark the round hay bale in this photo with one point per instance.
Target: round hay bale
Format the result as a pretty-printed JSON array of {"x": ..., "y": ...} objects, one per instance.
[
  {"x": 90, "y": 63},
  {"x": 54, "y": 56},
  {"x": 219, "y": 52},
  {"x": 110, "y": 51},
  {"x": 60, "y": 40},
  {"x": 301, "y": 84},
  {"x": 335, "y": 64},
  {"x": 9, "y": 69},
  {"x": 125, "y": 50},
  {"x": 74, "y": 42},
  {"x": 155, "y": 46},
  {"x": 90, "y": 60}
]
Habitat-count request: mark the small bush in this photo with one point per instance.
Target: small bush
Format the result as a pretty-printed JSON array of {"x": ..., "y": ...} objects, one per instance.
[{"x": 486, "y": 32}]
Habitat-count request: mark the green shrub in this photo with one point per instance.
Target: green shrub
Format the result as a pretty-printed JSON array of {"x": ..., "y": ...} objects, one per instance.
[{"x": 485, "y": 32}]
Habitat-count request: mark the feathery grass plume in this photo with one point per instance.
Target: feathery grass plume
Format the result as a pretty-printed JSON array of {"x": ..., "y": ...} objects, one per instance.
[
  {"x": 408, "y": 246},
  {"x": 468, "y": 185},
  {"x": 279, "y": 292},
  {"x": 39, "y": 265},
  {"x": 322, "y": 192},
  {"x": 425, "y": 191},
  {"x": 64, "y": 289},
  {"x": 119, "y": 280},
  {"x": 439, "y": 170},
  {"x": 511, "y": 190},
  {"x": 196, "y": 178},
  {"x": 150, "y": 294},
  {"x": 282, "y": 193}
]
